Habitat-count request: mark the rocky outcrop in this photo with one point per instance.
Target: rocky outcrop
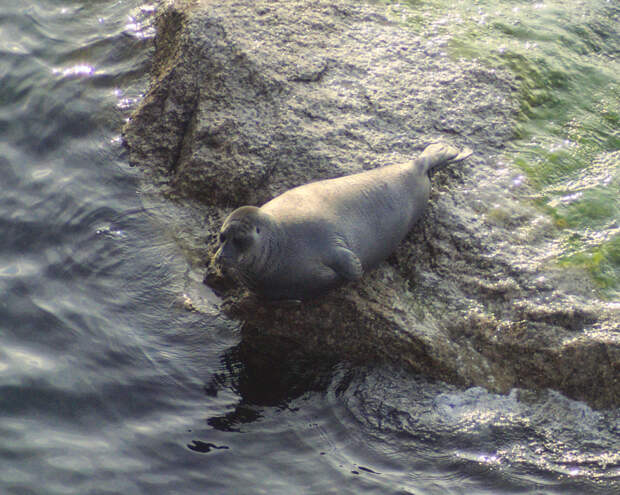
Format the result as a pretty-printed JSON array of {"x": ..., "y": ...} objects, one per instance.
[{"x": 250, "y": 98}]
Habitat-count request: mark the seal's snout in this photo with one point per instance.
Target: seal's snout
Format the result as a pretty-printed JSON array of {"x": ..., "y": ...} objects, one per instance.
[
  {"x": 225, "y": 259},
  {"x": 219, "y": 261},
  {"x": 218, "y": 275},
  {"x": 222, "y": 260}
]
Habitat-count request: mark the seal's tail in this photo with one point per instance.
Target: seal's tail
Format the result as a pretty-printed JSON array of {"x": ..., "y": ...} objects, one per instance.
[{"x": 440, "y": 154}]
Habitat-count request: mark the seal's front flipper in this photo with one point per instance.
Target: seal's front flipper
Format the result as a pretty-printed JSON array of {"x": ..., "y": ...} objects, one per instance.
[{"x": 346, "y": 263}]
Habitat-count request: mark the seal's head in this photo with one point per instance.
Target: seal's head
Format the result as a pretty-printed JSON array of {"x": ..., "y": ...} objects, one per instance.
[{"x": 245, "y": 239}]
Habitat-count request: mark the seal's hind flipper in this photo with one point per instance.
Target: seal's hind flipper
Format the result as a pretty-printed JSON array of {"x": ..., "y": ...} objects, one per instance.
[
  {"x": 464, "y": 154},
  {"x": 440, "y": 154}
]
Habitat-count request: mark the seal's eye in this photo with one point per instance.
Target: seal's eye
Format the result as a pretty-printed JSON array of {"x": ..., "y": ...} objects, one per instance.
[
  {"x": 222, "y": 238},
  {"x": 258, "y": 230}
]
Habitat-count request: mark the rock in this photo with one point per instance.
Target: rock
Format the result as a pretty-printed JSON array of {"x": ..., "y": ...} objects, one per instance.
[{"x": 250, "y": 98}]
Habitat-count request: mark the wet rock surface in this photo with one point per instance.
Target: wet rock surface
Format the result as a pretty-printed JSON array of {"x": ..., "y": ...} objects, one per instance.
[{"x": 249, "y": 99}]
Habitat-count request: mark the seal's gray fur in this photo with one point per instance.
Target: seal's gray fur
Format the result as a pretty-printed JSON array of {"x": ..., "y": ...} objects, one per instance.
[{"x": 319, "y": 235}]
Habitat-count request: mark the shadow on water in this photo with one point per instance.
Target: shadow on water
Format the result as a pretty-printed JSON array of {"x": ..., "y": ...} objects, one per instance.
[{"x": 264, "y": 372}]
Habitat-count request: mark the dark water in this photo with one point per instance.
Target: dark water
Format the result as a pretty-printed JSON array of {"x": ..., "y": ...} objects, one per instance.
[{"x": 108, "y": 384}]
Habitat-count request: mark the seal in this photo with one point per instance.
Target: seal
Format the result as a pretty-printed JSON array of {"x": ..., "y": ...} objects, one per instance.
[{"x": 318, "y": 236}]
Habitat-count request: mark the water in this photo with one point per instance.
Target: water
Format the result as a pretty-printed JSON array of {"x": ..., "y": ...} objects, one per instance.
[
  {"x": 110, "y": 384},
  {"x": 565, "y": 57}
]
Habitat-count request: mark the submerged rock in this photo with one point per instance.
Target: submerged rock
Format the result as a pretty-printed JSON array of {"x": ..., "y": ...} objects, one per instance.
[{"x": 250, "y": 98}]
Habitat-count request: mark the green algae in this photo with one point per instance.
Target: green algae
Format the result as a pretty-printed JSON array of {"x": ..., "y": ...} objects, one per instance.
[
  {"x": 565, "y": 60},
  {"x": 602, "y": 261}
]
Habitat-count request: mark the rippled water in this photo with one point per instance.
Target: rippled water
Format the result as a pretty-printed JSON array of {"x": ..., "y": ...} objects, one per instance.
[{"x": 109, "y": 384}]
